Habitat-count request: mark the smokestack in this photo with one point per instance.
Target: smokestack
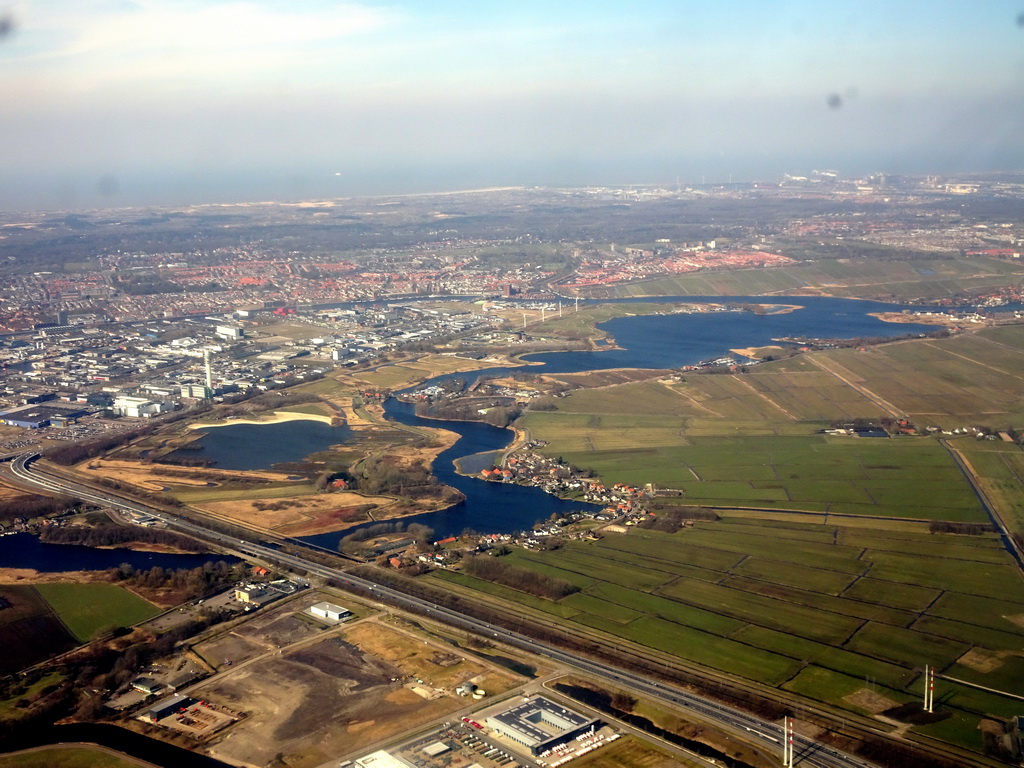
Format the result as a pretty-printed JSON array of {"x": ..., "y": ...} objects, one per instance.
[{"x": 929, "y": 688}]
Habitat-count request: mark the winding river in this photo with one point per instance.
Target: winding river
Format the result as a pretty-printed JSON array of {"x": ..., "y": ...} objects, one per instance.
[{"x": 645, "y": 341}]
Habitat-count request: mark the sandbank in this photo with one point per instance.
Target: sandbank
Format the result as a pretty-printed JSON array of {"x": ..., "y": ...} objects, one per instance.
[{"x": 278, "y": 418}]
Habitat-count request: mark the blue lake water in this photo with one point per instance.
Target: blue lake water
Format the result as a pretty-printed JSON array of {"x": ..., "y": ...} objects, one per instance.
[
  {"x": 23, "y": 550},
  {"x": 489, "y": 507},
  {"x": 261, "y": 446},
  {"x": 674, "y": 340},
  {"x": 648, "y": 341}
]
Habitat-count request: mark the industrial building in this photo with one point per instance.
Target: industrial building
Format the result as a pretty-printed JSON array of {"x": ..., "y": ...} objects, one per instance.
[
  {"x": 39, "y": 416},
  {"x": 382, "y": 759},
  {"x": 540, "y": 724},
  {"x": 166, "y": 707},
  {"x": 139, "y": 407},
  {"x": 330, "y": 611}
]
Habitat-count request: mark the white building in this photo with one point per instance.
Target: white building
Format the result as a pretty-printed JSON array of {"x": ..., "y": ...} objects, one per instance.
[
  {"x": 229, "y": 331},
  {"x": 330, "y": 611},
  {"x": 139, "y": 407}
]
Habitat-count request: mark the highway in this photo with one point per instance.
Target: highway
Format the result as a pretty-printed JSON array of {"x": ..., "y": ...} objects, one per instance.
[{"x": 751, "y": 728}]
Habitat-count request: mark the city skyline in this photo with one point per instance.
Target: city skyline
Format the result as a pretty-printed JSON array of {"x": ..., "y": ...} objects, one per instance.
[{"x": 171, "y": 102}]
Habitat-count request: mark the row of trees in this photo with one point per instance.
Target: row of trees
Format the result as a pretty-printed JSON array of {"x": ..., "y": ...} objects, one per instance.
[
  {"x": 110, "y": 534},
  {"x": 524, "y": 579},
  {"x": 964, "y": 529},
  {"x": 670, "y": 518},
  {"x": 419, "y": 533},
  {"x": 35, "y": 506},
  {"x": 207, "y": 579},
  {"x": 383, "y": 474}
]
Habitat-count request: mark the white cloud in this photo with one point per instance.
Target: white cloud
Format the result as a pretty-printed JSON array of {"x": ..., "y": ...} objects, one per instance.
[{"x": 181, "y": 39}]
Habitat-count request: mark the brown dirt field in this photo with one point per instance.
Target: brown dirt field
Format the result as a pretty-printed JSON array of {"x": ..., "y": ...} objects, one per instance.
[
  {"x": 30, "y": 576},
  {"x": 148, "y": 476},
  {"x": 413, "y": 654},
  {"x": 266, "y": 631},
  {"x": 345, "y": 404},
  {"x": 871, "y": 701},
  {"x": 8, "y": 492},
  {"x": 322, "y": 701},
  {"x": 304, "y": 515}
]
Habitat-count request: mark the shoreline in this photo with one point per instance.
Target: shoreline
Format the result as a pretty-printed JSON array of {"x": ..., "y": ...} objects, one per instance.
[{"x": 279, "y": 417}]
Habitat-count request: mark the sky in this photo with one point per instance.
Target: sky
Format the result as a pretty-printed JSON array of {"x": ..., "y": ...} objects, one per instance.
[{"x": 113, "y": 103}]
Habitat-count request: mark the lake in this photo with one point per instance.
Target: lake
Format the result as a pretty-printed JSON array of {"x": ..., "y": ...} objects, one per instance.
[
  {"x": 261, "y": 446},
  {"x": 648, "y": 341},
  {"x": 23, "y": 550}
]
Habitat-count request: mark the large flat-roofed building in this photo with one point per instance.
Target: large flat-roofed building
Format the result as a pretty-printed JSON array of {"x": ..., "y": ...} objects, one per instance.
[
  {"x": 330, "y": 611},
  {"x": 540, "y": 724},
  {"x": 39, "y": 416},
  {"x": 382, "y": 759},
  {"x": 166, "y": 707}
]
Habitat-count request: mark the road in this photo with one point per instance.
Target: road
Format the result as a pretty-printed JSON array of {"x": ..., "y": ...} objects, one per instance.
[{"x": 754, "y": 729}]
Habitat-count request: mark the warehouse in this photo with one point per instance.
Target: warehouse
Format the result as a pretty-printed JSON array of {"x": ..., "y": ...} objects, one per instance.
[
  {"x": 330, "y": 611},
  {"x": 540, "y": 724},
  {"x": 167, "y": 707},
  {"x": 38, "y": 416}
]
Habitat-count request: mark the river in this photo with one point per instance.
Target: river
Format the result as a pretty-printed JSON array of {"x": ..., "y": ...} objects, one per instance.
[{"x": 646, "y": 341}]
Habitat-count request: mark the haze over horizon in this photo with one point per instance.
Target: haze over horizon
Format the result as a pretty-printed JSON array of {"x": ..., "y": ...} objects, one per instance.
[{"x": 137, "y": 102}]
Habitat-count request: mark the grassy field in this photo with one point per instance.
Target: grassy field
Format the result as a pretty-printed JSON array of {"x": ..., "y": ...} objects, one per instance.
[
  {"x": 750, "y": 440},
  {"x": 29, "y": 630},
  {"x": 88, "y": 609},
  {"x": 900, "y": 478},
  {"x": 68, "y": 757},
  {"x": 1000, "y": 466},
  {"x": 846, "y": 278},
  {"x": 629, "y": 752},
  {"x": 582, "y": 324},
  {"x": 405, "y": 374},
  {"x": 822, "y": 609},
  {"x": 199, "y": 495}
]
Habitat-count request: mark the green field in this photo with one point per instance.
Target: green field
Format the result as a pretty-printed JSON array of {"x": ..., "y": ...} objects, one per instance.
[
  {"x": 29, "y": 630},
  {"x": 68, "y": 757},
  {"x": 191, "y": 494},
  {"x": 822, "y": 609},
  {"x": 854, "y": 278},
  {"x": 750, "y": 440},
  {"x": 88, "y": 609}
]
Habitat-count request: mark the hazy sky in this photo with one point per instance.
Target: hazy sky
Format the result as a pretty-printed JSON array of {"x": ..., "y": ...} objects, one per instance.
[{"x": 121, "y": 102}]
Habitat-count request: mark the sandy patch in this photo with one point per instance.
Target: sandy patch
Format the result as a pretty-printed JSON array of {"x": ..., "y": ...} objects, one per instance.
[
  {"x": 303, "y": 515},
  {"x": 348, "y": 408},
  {"x": 871, "y": 701},
  {"x": 928, "y": 318},
  {"x": 1017, "y": 618},
  {"x": 278, "y": 417},
  {"x": 758, "y": 352},
  {"x": 983, "y": 660},
  {"x": 157, "y": 477},
  {"x": 31, "y": 576}
]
